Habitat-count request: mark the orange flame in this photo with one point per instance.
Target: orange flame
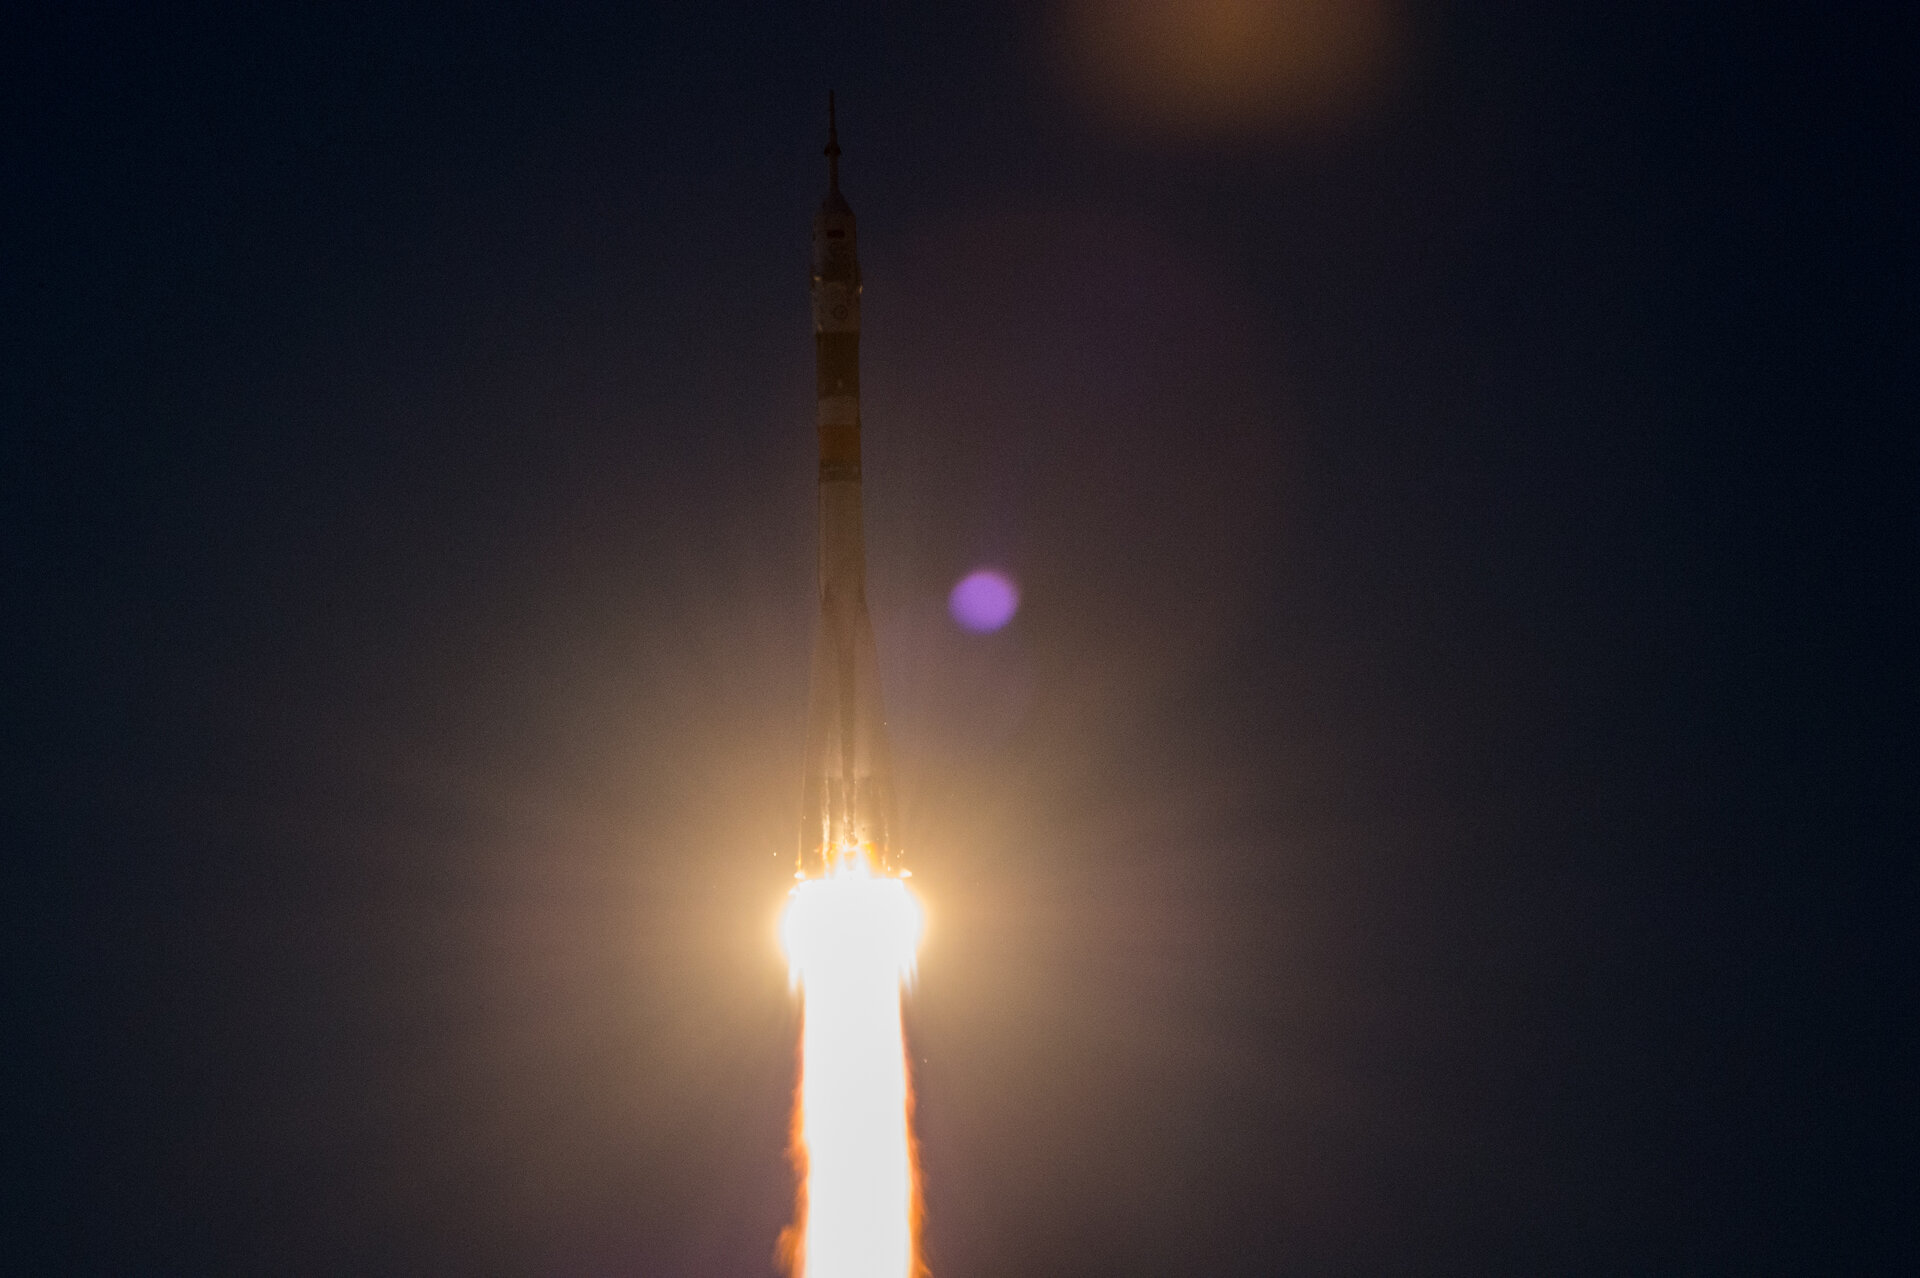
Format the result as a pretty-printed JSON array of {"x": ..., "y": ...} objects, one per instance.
[{"x": 850, "y": 942}]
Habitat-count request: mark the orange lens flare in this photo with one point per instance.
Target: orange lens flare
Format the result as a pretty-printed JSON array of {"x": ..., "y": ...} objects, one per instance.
[{"x": 850, "y": 942}]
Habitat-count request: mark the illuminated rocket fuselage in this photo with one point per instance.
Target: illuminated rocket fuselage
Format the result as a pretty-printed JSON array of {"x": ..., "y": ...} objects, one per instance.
[{"x": 847, "y": 804}]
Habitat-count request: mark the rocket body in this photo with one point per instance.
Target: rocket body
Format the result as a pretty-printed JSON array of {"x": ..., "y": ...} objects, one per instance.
[{"x": 847, "y": 814}]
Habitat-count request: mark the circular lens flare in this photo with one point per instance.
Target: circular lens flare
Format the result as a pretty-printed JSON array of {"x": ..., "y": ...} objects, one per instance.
[{"x": 984, "y": 600}]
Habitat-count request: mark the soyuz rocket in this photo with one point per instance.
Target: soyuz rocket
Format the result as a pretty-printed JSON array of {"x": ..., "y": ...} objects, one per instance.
[{"x": 847, "y": 815}]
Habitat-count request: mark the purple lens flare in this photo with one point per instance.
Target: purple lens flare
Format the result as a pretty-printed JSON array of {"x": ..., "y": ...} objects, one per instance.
[{"x": 984, "y": 600}]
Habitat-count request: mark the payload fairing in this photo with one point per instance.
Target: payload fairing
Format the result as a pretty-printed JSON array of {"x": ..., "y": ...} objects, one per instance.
[{"x": 847, "y": 814}]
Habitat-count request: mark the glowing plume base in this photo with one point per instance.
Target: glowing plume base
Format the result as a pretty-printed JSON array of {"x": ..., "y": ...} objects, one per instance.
[{"x": 850, "y": 942}]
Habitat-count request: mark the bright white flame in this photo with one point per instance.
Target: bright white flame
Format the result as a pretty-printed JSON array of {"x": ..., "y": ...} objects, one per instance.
[{"x": 850, "y": 942}]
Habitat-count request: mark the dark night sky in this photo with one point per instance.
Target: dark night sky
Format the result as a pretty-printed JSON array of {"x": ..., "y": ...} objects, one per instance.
[{"x": 1444, "y": 807}]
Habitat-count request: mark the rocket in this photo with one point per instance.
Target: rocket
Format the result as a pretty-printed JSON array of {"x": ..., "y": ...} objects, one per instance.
[{"x": 847, "y": 817}]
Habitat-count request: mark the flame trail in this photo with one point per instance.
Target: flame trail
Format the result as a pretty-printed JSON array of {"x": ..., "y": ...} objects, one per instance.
[{"x": 850, "y": 942}]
